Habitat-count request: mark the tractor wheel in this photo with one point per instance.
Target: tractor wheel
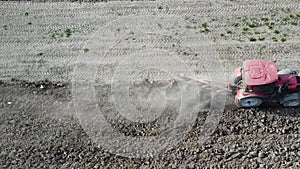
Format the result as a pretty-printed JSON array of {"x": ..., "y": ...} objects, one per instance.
[
  {"x": 292, "y": 103},
  {"x": 287, "y": 71},
  {"x": 249, "y": 102}
]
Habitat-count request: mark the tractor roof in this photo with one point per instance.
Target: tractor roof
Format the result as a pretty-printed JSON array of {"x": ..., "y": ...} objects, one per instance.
[{"x": 259, "y": 72}]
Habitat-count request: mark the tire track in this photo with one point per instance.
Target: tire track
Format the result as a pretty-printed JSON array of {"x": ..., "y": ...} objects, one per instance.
[
  {"x": 34, "y": 75},
  {"x": 35, "y": 42},
  {"x": 67, "y": 55},
  {"x": 190, "y": 11},
  {"x": 144, "y": 10},
  {"x": 143, "y": 42},
  {"x": 46, "y": 29}
]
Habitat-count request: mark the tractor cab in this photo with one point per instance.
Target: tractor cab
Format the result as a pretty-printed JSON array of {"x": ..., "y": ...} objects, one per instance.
[
  {"x": 260, "y": 76},
  {"x": 258, "y": 81}
]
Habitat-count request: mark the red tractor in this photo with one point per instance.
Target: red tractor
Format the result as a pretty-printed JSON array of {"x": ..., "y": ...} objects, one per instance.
[{"x": 258, "y": 81}]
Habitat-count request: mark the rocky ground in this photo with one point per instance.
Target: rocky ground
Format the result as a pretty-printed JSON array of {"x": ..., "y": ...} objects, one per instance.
[
  {"x": 48, "y": 50},
  {"x": 34, "y": 137}
]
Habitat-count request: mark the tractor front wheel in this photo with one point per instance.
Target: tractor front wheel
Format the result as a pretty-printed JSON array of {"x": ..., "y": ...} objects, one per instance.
[
  {"x": 292, "y": 103},
  {"x": 248, "y": 102}
]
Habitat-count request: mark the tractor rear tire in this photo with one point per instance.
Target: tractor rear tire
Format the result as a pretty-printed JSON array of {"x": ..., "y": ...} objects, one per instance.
[
  {"x": 292, "y": 103},
  {"x": 248, "y": 102}
]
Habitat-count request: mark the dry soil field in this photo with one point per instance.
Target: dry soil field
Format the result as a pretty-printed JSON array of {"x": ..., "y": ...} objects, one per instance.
[{"x": 94, "y": 84}]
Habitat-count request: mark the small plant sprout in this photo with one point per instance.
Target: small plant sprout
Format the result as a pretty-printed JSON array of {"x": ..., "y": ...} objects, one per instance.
[
  {"x": 283, "y": 39},
  {"x": 261, "y": 38},
  {"x": 274, "y": 39},
  {"x": 294, "y": 23},
  {"x": 229, "y": 32},
  {"x": 4, "y": 27},
  {"x": 159, "y": 7},
  {"x": 292, "y": 16},
  {"x": 85, "y": 50},
  {"x": 252, "y": 39},
  {"x": 253, "y": 25},
  {"x": 52, "y": 36},
  {"x": 245, "y": 28},
  {"x": 235, "y": 24},
  {"x": 286, "y": 19},
  {"x": 40, "y": 54},
  {"x": 264, "y": 19},
  {"x": 276, "y": 31},
  {"x": 131, "y": 33},
  {"x": 204, "y": 28},
  {"x": 204, "y": 25},
  {"x": 26, "y": 14},
  {"x": 244, "y": 19},
  {"x": 68, "y": 32},
  {"x": 270, "y": 26},
  {"x": 222, "y": 34},
  {"x": 55, "y": 35}
]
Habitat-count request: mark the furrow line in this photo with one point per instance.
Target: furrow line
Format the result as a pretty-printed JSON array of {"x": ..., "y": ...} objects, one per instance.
[
  {"x": 35, "y": 75},
  {"x": 47, "y": 29},
  {"x": 13, "y": 44}
]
